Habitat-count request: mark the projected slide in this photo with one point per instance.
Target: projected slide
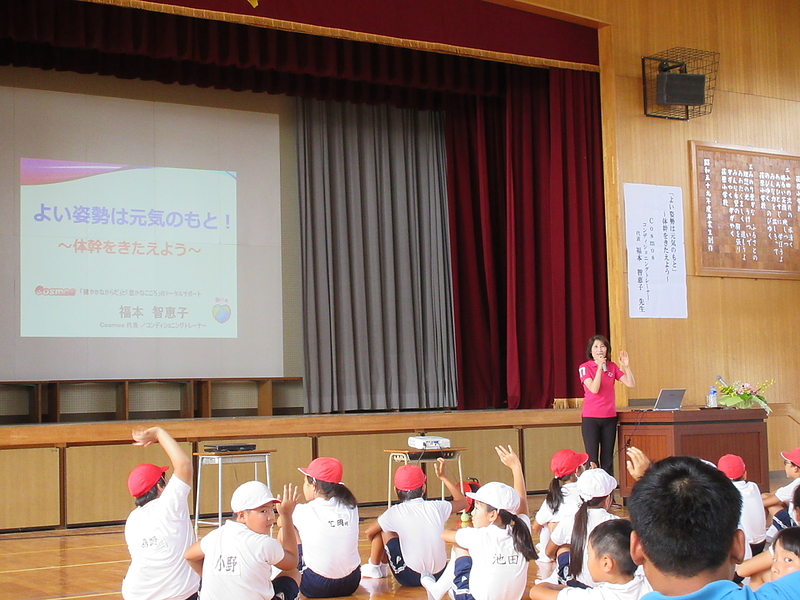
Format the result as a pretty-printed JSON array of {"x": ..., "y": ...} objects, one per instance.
[{"x": 127, "y": 251}]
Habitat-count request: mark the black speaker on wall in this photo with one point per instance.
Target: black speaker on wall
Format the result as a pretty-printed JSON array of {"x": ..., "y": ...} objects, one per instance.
[
  {"x": 685, "y": 89},
  {"x": 679, "y": 83}
]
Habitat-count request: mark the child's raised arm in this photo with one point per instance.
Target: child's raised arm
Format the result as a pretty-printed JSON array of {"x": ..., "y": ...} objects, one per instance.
[
  {"x": 637, "y": 462},
  {"x": 288, "y": 535},
  {"x": 181, "y": 463},
  {"x": 510, "y": 459},
  {"x": 459, "y": 501}
]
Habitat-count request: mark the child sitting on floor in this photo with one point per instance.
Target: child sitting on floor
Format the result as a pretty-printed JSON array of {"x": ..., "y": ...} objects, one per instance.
[
  {"x": 752, "y": 517},
  {"x": 410, "y": 533},
  {"x": 159, "y": 530},
  {"x": 562, "y": 500},
  {"x": 236, "y": 560},
  {"x": 492, "y": 556},
  {"x": 779, "y": 504},
  {"x": 327, "y": 525},
  {"x": 595, "y": 488},
  {"x": 685, "y": 517},
  {"x": 610, "y": 565},
  {"x": 759, "y": 568},
  {"x": 787, "y": 552}
]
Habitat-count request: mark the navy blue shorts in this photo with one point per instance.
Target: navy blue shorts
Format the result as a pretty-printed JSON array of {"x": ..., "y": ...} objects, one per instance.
[
  {"x": 404, "y": 575},
  {"x": 562, "y": 566},
  {"x": 285, "y": 588},
  {"x": 783, "y": 520},
  {"x": 313, "y": 585},
  {"x": 564, "y": 577},
  {"x": 463, "y": 567}
]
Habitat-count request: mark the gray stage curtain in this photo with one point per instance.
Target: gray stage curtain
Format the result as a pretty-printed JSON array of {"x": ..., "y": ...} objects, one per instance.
[{"x": 377, "y": 289}]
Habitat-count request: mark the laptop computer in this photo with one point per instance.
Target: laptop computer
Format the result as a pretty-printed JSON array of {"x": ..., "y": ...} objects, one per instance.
[{"x": 669, "y": 400}]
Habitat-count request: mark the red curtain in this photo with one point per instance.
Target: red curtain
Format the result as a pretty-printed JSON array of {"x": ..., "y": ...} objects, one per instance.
[
  {"x": 528, "y": 248},
  {"x": 468, "y": 23},
  {"x": 67, "y": 35},
  {"x": 476, "y": 184}
]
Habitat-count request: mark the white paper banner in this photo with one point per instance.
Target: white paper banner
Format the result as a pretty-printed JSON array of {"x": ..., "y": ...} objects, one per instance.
[{"x": 656, "y": 259}]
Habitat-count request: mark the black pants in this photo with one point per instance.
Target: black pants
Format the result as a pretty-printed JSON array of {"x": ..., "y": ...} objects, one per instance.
[{"x": 599, "y": 436}]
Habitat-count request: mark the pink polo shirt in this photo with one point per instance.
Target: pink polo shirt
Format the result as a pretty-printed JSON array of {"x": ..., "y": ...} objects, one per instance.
[{"x": 602, "y": 404}]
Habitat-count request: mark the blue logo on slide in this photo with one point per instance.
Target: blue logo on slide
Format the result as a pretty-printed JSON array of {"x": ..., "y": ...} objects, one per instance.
[{"x": 221, "y": 312}]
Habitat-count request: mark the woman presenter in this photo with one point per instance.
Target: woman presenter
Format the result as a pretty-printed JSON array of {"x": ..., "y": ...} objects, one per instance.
[{"x": 599, "y": 414}]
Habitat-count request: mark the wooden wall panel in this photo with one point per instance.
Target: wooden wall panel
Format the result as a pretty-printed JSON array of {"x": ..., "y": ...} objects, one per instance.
[
  {"x": 31, "y": 482},
  {"x": 480, "y": 460},
  {"x": 540, "y": 445},
  {"x": 97, "y": 480},
  {"x": 738, "y": 329},
  {"x": 783, "y": 434},
  {"x": 291, "y": 453},
  {"x": 364, "y": 460},
  {"x": 366, "y": 463}
]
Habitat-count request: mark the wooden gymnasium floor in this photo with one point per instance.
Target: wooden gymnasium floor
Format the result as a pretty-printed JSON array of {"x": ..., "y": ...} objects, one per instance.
[{"x": 91, "y": 562}]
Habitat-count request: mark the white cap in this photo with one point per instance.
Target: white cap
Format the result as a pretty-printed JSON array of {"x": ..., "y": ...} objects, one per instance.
[
  {"x": 250, "y": 495},
  {"x": 498, "y": 495},
  {"x": 595, "y": 483}
]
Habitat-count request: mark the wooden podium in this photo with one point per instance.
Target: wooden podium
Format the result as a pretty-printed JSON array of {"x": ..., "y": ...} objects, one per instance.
[{"x": 705, "y": 433}]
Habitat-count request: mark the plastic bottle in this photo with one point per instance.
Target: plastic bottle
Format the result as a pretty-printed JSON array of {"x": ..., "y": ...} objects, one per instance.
[{"x": 711, "y": 399}]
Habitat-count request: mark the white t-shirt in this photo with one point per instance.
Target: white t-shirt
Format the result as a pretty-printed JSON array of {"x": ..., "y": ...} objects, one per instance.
[
  {"x": 329, "y": 534},
  {"x": 633, "y": 590},
  {"x": 238, "y": 563},
  {"x": 498, "y": 572},
  {"x": 562, "y": 534},
  {"x": 752, "y": 520},
  {"x": 418, "y": 524},
  {"x": 785, "y": 494},
  {"x": 569, "y": 506},
  {"x": 157, "y": 535}
]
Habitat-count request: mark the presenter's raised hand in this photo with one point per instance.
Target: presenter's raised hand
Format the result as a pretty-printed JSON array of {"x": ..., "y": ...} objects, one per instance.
[{"x": 623, "y": 359}]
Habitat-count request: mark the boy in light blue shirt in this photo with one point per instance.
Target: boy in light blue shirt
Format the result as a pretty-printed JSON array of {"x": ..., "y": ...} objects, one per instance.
[{"x": 685, "y": 517}]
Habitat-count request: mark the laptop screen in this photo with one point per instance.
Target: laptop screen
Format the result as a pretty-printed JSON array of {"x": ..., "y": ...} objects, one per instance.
[{"x": 669, "y": 399}]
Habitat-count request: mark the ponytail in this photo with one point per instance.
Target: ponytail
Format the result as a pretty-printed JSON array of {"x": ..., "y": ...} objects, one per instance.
[
  {"x": 337, "y": 491},
  {"x": 555, "y": 497},
  {"x": 577, "y": 543},
  {"x": 520, "y": 534}
]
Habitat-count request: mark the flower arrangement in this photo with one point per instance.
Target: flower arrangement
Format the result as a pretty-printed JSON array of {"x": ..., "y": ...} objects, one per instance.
[{"x": 743, "y": 395}]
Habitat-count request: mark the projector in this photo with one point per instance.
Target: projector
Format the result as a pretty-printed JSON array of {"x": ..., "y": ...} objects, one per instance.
[{"x": 428, "y": 442}]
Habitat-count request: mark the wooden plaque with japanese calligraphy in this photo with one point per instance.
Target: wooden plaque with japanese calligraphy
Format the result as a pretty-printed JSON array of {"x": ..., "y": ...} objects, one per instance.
[{"x": 746, "y": 211}]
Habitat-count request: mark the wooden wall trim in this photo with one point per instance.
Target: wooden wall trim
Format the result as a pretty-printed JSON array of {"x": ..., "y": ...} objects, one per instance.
[
  {"x": 615, "y": 235},
  {"x": 561, "y": 15},
  {"x": 116, "y": 432}
]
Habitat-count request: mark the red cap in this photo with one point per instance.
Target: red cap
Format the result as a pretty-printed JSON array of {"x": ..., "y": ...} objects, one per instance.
[
  {"x": 143, "y": 477},
  {"x": 409, "y": 477},
  {"x": 324, "y": 469},
  {"x": 567, "y": 461},
  {"x": 792, "y": 457},
  {"x": 732, "y": 465}
]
